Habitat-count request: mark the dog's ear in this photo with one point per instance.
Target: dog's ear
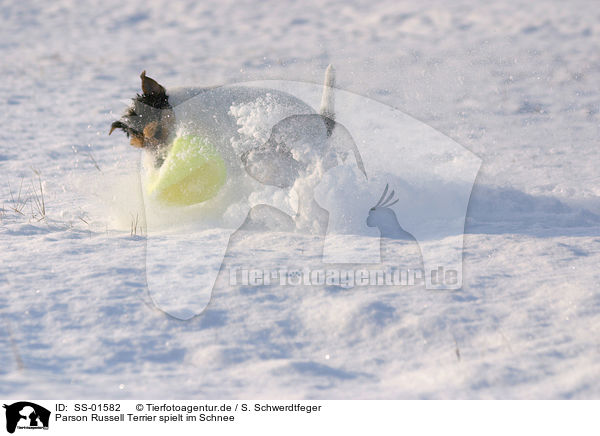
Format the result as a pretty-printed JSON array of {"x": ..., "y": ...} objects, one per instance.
[
  {"x": 118, "y": 125},
  {"x": 151, "y": 86}
]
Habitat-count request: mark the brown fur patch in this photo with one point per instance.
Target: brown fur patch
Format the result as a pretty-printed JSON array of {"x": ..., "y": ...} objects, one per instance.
[{"x": 137, "y": 141}]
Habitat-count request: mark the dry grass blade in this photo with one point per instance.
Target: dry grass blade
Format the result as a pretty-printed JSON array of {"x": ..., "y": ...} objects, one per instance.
[
  {"x": 18, "y": 204},
  {"x": 135, "y": 225},
  {"x": 93, "y": 159},
  {"x": 456, "y": 349},
  {"x": 39, "y": 203}
]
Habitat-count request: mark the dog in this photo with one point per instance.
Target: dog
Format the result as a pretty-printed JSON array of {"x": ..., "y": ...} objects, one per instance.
[{"x": 152, "y": 120}]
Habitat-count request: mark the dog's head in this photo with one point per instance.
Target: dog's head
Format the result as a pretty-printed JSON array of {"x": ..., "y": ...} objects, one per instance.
[{"x": 150, "y": 121}]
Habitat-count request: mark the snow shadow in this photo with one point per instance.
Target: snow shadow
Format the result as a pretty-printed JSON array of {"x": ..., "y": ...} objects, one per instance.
[{"x": 497, "y": 210}]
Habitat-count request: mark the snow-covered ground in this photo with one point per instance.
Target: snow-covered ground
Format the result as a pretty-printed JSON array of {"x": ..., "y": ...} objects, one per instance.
[{"x": 515, "y": 82}]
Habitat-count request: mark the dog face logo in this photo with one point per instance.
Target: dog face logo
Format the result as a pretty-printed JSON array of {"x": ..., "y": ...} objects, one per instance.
[{"x": 26, "y": 415}]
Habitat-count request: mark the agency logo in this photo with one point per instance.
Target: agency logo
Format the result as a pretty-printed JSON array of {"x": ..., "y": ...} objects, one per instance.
[
  {"x": 24, "y": 415},
  {"x": 370, "y": 185}
]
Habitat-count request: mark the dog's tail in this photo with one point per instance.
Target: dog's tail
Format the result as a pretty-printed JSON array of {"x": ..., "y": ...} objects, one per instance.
[{"x": 328, "y": 98}]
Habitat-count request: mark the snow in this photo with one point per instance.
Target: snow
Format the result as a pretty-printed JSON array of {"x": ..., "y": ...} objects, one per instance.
[{"x": 515, "y": 83}]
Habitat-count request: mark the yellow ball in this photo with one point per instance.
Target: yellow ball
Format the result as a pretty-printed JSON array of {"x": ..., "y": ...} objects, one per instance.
[{"x": 192, "y": 172}]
